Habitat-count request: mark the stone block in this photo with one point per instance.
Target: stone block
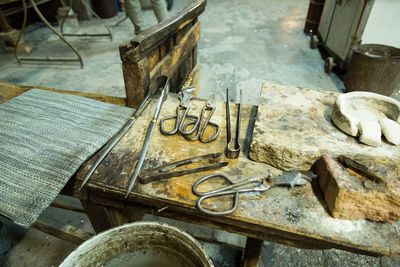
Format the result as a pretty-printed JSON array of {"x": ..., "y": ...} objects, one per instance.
[
  {"x": 351, "y": 196},
  {"x": 293, "y": 129}
]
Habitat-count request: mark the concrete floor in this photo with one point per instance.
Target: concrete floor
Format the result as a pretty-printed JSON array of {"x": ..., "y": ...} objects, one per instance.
[{"x": 243, "y": 44}]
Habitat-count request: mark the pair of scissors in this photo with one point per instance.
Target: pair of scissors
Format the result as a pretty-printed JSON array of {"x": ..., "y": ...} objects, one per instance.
[
  {"x": 249, "y": 185},
  {"x": 210, "y": 106},
  {"x": 184, "y": 96}
]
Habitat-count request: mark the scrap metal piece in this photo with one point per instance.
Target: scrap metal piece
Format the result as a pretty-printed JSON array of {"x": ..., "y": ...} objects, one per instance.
[
  {"x": 369, "y": 169},
  {"x": 115, "y": 139},
  {"x": 233, "y": 147},
  {"x": 163, "y": 172},
  {"x": 160, "y": 82}
]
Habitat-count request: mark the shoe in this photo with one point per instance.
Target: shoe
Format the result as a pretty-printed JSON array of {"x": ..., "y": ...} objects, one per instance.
[{"x": 170, "y": 3}]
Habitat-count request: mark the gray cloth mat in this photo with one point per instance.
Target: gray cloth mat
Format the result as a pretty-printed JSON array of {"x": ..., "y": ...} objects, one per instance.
[{"x": 44, "y": 138}]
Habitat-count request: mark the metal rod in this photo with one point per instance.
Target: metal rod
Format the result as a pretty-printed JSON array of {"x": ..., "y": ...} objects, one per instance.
[
  {"x": 150, "y": 130},
  {"x": 167, "y": 175},
  {"x": 228, "y": 118},
  {"x": 164, "y": 172},
  {"x": 176, "y": 164},
  {"x": 98, "y": 18},
  {"x": 64, "y": 17},
  {"x": 115, "y": 139},
  {"x": 122, "y": 20},
  {"x": 238, "y": 118},
  {"x": 48, "y": 59},
  {"x": 21, "y": 31},
  {"x": 86, "y": 34}
]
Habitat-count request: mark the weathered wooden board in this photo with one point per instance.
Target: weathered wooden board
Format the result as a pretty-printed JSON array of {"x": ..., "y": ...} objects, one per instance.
[
  {"x": 295, "y": 217},
  {"x": 169, "y": 64},
  {"x": 169, "y": 48},
  {"x": 294, "y": 128},
  {"x": 8, "y": 91},
  {"x": 69, "y": 233},
  {"x": 144, "y": 43}
]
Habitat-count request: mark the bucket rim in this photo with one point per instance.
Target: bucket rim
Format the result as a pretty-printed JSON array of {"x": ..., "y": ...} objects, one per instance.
[
  {"x": 88, "y": 244},
  {"x": 393, "y": 53}
]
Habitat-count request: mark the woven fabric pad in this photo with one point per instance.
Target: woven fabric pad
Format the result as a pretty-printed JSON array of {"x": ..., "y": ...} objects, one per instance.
[{"x": 44, "y": 138}]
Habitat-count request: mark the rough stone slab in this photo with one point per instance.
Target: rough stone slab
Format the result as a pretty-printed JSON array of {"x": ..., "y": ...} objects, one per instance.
[
  {"x": 294, "y": 128},
  {"x": 352, "y": 197}
]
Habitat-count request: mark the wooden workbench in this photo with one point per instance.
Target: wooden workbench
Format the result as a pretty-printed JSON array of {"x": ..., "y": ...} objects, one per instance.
[{"x": 296, "y": 217}]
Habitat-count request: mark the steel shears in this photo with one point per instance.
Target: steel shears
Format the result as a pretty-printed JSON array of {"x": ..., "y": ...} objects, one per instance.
[{"x": 249, "y": 185}]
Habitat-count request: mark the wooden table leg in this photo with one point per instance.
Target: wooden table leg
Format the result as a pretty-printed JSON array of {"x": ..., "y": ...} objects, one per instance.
[
  {"x": 252, "y": 252},
  {"x": 105, "y": 217}
]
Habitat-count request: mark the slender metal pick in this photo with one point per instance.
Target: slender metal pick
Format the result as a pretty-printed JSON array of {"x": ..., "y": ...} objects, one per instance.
[
  {"x": 115, "y": 139},
  {"x": 150, "y": 130}
]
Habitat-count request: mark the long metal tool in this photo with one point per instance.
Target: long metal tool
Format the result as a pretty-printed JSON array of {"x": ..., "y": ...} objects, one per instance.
[
  {"x": 164, "y": 172},
  {"x": 161, "y": 82},
  {"x": 233, "y": 147},
  {"x": 115, "y": 139}
]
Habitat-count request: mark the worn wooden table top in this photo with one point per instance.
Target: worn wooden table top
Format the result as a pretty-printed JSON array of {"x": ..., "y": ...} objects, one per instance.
[{"x": 296, "y": 216}]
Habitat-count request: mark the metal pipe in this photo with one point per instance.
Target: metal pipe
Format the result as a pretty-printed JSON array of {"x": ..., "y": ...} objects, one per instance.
[{"x": 233, "y": 152}]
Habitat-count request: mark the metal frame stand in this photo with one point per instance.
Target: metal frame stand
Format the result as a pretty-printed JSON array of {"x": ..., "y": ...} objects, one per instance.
[
  {"x": 85, "y": 34},
  {"x": 48, "y": 59},
  {"x": 122, "y": 20}
]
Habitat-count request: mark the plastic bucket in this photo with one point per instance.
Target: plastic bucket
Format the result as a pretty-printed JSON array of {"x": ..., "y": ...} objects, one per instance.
[
  {"x": 373, "y": 68},
  {"x": 140, "y": 244}
]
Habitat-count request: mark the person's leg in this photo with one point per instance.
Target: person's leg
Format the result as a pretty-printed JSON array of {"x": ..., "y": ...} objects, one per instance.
[
  {"x": 160, "y": 9},
  {"x": 134, "y": 13}
]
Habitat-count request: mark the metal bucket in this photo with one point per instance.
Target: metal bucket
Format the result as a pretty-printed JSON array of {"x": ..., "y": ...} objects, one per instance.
[
  {"x": 373, "y": 68},
  {"x": 140, "y": 244}
]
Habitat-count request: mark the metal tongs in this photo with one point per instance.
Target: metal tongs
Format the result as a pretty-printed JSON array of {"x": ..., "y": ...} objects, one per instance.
[
  {"x": 160, "y": 82},
  {"x": 210, "y": 106},
  {"x": 233, "y": 147},
  {"x": 185, "y": 95},
  {"x": 114, "y": 140},
  {"x": 250, "y": 185},
  {"x": 165, "y": 171}
]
